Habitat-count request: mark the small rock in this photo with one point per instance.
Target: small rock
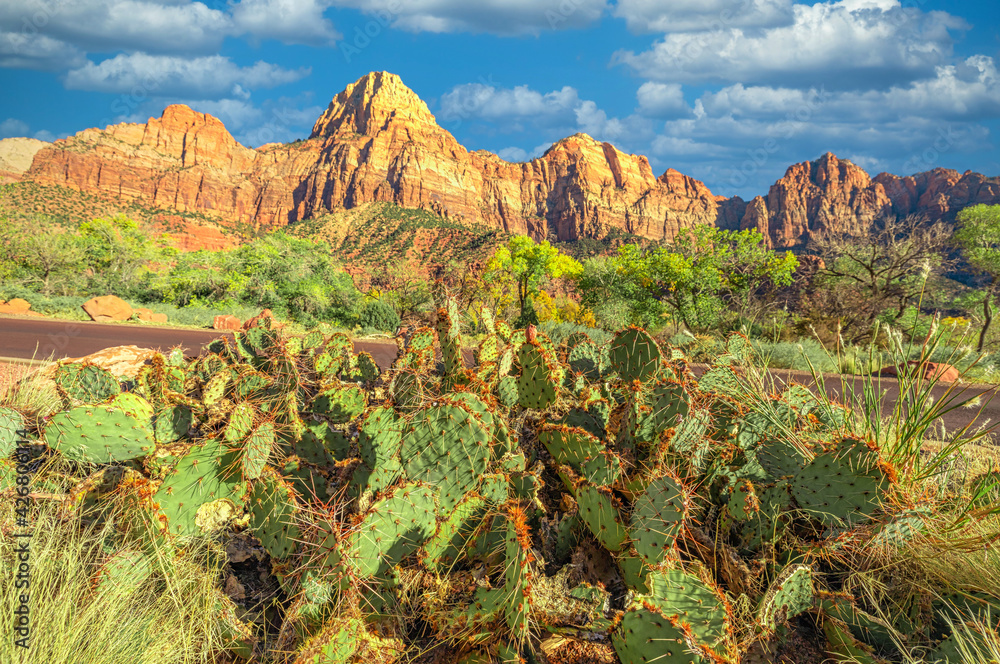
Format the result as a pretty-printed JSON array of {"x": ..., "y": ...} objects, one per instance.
[
  {"x": 938, "y": 371},
  {"x": 227, "y": 323},
  {"x": 158, "y": 318},
  {"x": 19, "y": 305},
  {"x": 143, "y": 314},
  {"x": 107, "y": 307},
  {"x": 234, "y": 588}
]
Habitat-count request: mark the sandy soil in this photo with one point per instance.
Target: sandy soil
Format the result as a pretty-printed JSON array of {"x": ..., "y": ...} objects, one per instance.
[{"x": 11, "y": 373}]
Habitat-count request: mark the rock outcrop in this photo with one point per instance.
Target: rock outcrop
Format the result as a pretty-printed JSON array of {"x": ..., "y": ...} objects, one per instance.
[
  {"x": 378, "y": 141},
  {"x": 16, "y": 155},
  {"x": 107, "y": 307},
  {"x": 834, "y": 193}
]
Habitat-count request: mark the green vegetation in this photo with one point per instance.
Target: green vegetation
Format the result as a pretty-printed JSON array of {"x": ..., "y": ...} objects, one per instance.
[
  {"x": 283, "y": 500},
  {"x": 521, "y": 266}
]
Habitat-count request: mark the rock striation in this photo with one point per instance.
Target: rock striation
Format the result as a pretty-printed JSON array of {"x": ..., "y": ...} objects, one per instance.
[{"x": 378, "y": 142}]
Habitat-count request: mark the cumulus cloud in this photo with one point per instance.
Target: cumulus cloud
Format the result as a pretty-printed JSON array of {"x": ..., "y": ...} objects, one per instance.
[
  {"x": 697, "y": 15},
  {"x": 837, "y": 42},
  {"x": 504, "y": 17},
  {"x": 164, "y": 26},
  {"x": 290, "y": 21},
  {"x": 660, "y": 100},
  {"x": 110, "y": 25},
  {"x": 13, "y": 127},
  {"x": 160, "y": 75},
  {"x": 490, "y": 102},
  {"x": 23, "y": 50}
]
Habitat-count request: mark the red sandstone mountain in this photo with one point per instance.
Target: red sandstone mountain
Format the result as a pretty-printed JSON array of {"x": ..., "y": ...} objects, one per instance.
[{"x": 378, "y": 141}]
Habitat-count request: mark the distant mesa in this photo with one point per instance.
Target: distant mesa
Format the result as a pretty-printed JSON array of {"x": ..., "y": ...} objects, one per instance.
[{"x": 377, "y": 141}]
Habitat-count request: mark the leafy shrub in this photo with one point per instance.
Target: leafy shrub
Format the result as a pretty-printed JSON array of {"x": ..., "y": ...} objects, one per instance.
[
  {"x": 379, "y": 315},
  {"x": 560, "y": 331}
]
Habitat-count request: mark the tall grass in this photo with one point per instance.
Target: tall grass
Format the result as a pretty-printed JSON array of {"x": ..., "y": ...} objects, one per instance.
[{"x": 166, "y": 618}]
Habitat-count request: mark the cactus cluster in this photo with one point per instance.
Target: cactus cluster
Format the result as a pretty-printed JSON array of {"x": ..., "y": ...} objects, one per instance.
[{"x": 595, "y": 493}]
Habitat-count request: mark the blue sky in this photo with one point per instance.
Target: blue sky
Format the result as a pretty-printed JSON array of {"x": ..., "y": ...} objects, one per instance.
[{"x": 729, "y": 91}]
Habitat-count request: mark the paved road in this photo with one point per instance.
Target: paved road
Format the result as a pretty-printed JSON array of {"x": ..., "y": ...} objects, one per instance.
[{"x": 42, "y": 339}]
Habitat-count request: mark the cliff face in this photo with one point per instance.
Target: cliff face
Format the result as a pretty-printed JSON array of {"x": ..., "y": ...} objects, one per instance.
[
  {"x": 834, "y": 193},
  {"x": 377, "y": 141}
]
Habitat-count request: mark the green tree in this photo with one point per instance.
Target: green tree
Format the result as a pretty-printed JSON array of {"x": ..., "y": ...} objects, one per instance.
[
  {"x": 45, "y": 258},
  {"x": 706, "y": 273},
  {"x": 116, "y": 250},
  {"x": 978, "y": 235},
  {"x": 523, "y": 266}
]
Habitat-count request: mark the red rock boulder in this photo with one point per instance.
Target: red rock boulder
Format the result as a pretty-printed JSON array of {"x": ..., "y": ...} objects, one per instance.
[
  {"x": 227, "y": 323},
  {"x": 143, "y": 314},
  {"x": 944, "y": 373},
  {"x": 258, "y": 320},
  {"x": 158, "y": 318},
  {"x": 107, "y": 307}
]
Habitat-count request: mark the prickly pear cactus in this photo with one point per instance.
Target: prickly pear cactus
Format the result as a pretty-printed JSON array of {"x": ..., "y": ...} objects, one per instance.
[
  {"x": 392, "y": 529},
  {"x": 845, "y": 485},
  {"x": 657, "y": 518},
  {"x": 634, "y": 355},
  {"x": 448, "y": 447},
  {"x": 85, "y": 383},
  {"x": 98, "y": 434},
  {"x": 11, "y": 429}
]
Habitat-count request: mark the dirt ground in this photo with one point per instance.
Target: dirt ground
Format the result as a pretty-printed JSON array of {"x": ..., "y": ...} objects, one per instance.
[{"x": 11, "y": 373}]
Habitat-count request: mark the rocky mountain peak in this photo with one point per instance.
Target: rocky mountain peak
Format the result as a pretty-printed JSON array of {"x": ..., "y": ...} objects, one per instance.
[{"x": 368, "y": 104}]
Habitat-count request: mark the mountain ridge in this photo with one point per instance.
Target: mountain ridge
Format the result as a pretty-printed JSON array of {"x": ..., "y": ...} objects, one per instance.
[{"x": 377, "y": 141}]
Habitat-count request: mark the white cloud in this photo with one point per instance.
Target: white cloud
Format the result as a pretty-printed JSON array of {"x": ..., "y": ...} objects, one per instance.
[
  {"x": 140, "y": 74},
  {"x": 660, "y": 100},
  {"x": 111, "y": 25},
  {"x": 966, "y": 91},
  {"x": 833, "y": 41},
  {"x": 502, "y": 17},
  {"x": 489, "y": 102},
  {"x": 23, "y": 50},
  {"x": 162, "y": 26},
  {"x": 697, "y": 15},
  {"x": 13, "y": 127},
  {"x": 290, "y": 21}
]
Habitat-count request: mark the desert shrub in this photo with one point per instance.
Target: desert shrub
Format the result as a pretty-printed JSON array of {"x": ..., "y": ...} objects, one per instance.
[
  {"x": 560, "y": 331},
  {"x": 378, "y": 315}
]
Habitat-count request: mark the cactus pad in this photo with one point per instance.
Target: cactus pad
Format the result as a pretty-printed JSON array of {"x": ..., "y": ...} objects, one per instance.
[
  {"x": 194, "y": 490},
  {"x": 392, "y": 529},
  {"x": 657, "y": 518},
  {"x": 448, "y": 447},
  {"x": 273, "y": 508},
  {"x": 598, "y": 511},
  {"x": 845, "y": 485},
  {"x": 634, "y": 355},
  {"x": 339, "y": 404},
  {"x": 85, "y": 383},
  {"x": 11, "y": 422},
  {"x": 98, "y": 434},
  {"x": 540, "y": 376},
  {"x": 581, "y": 450}
]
